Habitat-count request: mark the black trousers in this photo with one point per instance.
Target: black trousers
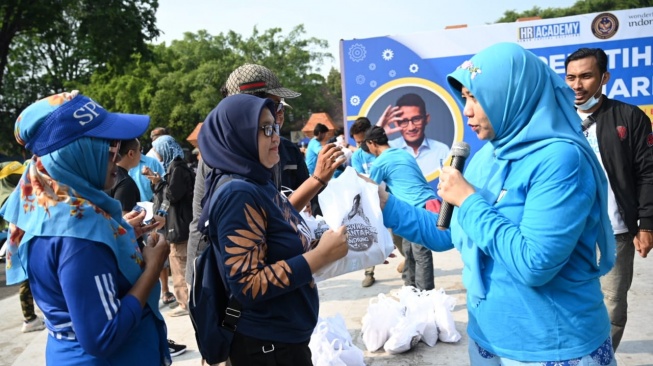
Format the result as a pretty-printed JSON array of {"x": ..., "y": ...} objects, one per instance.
[{"x": 248, "y": 351}]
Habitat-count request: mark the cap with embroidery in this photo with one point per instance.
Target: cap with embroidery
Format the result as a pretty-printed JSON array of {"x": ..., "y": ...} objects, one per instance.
[
  {"x": 251, "y": 78},
  {"x": 54, "y": 122}
]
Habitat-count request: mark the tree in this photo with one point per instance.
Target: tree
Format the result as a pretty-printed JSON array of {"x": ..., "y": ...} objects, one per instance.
[
  {"x": 72, "y": 36},
  {"x": 180, "y": 83},
  {"x": 580, "y": 7},
  {"x": 48, "y": 46}
]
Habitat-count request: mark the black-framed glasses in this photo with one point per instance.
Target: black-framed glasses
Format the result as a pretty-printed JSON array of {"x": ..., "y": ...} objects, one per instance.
[
  {"x": 416, "y": 121},
  {"x": 268, "y": 130}
]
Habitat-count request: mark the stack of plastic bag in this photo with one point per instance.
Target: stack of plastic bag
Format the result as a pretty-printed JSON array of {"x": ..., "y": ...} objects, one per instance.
[
  {"x": 420, "y": 309},
  {"x": 398, "y": 326},
  {"x": 383, "y": 313},
  {"x": 433, "y": 307},
  {"x": 331, "y": 344}
]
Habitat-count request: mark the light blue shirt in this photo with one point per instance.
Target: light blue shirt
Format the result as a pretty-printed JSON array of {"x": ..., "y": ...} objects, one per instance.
[
  {"x": 400, "y": 172},
  {"x": 314, "y": 147},
  {"x": 144, "y": 185},
  {"x": 362, "y": 161},
  {"x": 430, "y": 156},
  {"x": 538, "y": 253}
]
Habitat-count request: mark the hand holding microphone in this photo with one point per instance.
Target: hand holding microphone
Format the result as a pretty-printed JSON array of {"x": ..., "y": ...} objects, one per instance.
[{"x": 453, "y": 188}]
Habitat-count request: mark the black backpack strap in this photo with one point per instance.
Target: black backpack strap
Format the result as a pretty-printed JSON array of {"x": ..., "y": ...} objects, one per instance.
[
  {"x": 232, "y": 314},
  {"x": 234, "y": 307}
]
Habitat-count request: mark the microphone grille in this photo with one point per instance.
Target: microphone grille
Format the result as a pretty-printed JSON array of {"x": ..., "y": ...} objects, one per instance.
[{"x": 460, "y": 148}]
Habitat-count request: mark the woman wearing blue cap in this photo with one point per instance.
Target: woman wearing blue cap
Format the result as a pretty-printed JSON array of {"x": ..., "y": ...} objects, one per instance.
[
  {"x": 97, "y": 290},
  {"x": 531, "y": 223}
]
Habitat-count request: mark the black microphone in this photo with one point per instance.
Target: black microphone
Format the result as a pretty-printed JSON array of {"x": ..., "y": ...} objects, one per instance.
[{"x": 459, "y": 152}]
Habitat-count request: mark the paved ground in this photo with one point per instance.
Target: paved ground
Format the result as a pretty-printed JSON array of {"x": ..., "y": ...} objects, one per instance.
[{"x": 344, "y": 295}]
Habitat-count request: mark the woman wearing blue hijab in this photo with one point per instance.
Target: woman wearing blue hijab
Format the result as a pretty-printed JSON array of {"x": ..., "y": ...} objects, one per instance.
[
  {"x": 265, "y": 245},
  {"x": 173, "y": 198},
  {"x": 97, "y": 290},
  {"x": 531, "y": 223}
]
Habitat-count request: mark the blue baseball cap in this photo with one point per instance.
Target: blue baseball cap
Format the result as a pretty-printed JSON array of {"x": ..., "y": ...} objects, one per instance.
[{"x": 54, "y": 122}]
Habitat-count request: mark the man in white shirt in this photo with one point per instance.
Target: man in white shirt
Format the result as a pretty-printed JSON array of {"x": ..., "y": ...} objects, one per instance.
[{"x": 410, "y": 118}]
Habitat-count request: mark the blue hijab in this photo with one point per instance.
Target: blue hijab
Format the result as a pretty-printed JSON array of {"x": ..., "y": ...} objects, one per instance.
[
  {"x": 61, "y": 194},
  {"x": 228, "y": 141},
  {"x": 515, "y": 88},
  {"x": 168, "y": 149}
]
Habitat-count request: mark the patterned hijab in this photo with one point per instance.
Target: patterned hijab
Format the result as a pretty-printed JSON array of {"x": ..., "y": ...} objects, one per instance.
[
  {"x": 168, "y": 149},
  {"x": 61, "y": 194},
  {"x": 529, "y": 107}
]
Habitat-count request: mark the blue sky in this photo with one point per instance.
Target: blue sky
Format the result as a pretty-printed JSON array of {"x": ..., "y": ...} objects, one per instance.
[{"x": 332, "y": 20}]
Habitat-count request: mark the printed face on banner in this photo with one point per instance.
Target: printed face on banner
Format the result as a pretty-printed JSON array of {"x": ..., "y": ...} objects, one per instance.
[{"x": 406, "y": 113}]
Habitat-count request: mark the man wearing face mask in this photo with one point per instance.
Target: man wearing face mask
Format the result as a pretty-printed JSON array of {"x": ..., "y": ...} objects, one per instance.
[{"x": 620, "y": 135}]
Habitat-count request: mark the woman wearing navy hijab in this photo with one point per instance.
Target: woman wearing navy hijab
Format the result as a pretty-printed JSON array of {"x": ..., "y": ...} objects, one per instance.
[
  {"x": 268, "y": 255},
  {"x": 531, "y": 221}
]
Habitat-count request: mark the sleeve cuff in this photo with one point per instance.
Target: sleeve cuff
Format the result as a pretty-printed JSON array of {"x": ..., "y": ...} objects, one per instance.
[
  {"x": 646, "y": 223},
  {"x": 301, "y": 270}
]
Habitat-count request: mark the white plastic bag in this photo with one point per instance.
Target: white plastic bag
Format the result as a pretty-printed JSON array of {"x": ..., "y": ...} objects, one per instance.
[
  {"x": 323, "y": 352},
  {"x": 382, "y": 315},
  {"x": 420, "y": 310},
  {"x": 331, "y": 344},
  {"x": 443, "y": 305},
  {"x": 403, "y": 336},
  {"x": 351, "y": 201}
]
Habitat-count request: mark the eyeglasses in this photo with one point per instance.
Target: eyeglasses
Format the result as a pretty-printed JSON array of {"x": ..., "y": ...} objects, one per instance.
[
  {"x": 268, "y": 130},
  {"x": 114, "y": 147},
  {"x": 416, "y": 121}
]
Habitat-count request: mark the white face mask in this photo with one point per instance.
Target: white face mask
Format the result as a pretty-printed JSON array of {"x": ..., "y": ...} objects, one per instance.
[{"x": 590, "y": 103}]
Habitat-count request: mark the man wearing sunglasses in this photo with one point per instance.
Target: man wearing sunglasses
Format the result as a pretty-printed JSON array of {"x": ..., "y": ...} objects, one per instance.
[{"x": 410, "y": 118}]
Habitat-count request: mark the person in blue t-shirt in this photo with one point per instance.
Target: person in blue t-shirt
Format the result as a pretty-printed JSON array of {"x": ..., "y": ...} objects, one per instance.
[
  {"x": 98, "y": 291},
  {"x": 142, "y": 182},
  {"x": 267, "y": 249},
  {"x": 531, "y": 219},
  {"x": 361, "y": 161},
  {"x": 400, "y": 172},
  {"x": 315, "y": 145}
]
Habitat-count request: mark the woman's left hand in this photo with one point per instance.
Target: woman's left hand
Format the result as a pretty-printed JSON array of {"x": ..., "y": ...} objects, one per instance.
[
  {"x": 135, "y": 219},
  {"x": 453, "y": 187},
  {"x": 328, "y": 160}
]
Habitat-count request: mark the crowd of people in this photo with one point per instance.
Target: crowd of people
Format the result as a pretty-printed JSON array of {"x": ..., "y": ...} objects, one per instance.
[{"x": 549, "y": 214}]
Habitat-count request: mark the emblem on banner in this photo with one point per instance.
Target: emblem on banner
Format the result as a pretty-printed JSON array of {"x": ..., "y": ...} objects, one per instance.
[{"x": 605, "y": 25}]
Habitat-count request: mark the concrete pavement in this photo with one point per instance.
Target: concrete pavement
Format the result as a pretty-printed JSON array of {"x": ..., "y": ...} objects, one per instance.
[{"x": 345, "y": 295}]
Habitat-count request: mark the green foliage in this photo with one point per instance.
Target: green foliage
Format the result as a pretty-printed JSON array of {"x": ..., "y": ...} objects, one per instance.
[
  {"x": 334, "y": 83},
  {"x": 180, "y": 83},
  {"x": 49, "y": 46},
  {"x": 580, "y": 7}
]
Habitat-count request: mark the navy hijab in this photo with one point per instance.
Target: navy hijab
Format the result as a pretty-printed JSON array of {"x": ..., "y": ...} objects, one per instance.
[{"x": 228, "y": 141}]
